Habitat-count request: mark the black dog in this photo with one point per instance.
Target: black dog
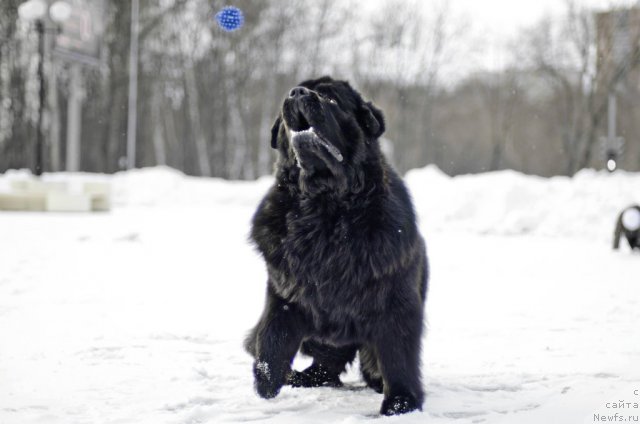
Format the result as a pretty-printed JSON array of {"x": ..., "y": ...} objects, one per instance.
[
  {"x": 628, "y": 224},
  {"x": 347, "y": 266}
]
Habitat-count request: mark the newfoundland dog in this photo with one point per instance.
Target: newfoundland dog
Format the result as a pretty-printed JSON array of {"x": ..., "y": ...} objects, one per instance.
[
  {"x": 628, "y": 226},
  {"x": 347, "y": 266}
]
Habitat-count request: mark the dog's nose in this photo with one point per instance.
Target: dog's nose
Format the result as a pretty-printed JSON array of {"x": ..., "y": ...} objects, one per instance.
[{"x": 297, "y": 92}]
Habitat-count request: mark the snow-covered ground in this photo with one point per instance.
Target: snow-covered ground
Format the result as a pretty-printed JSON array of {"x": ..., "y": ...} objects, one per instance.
[{"x": 137, "y": 315}]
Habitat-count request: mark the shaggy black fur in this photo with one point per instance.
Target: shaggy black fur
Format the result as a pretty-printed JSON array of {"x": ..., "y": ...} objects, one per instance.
[
  {"x": 347, "y": 266},
  {"x": 632, "y": 236}
]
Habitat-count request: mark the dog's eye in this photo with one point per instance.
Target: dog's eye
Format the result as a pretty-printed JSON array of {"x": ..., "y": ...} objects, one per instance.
[{"x": 332, "y": 101}]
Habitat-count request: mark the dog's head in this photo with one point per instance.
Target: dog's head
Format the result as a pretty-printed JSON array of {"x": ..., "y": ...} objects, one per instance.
[{"x": 327, "y": 131}]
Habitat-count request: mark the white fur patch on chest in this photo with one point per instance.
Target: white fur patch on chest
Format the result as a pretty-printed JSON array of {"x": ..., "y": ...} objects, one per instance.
[{"x": 631, "y": 219}]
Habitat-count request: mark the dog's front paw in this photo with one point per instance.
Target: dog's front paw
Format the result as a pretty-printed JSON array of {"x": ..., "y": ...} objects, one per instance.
[
  {"x": 268, "y": 381},
  {"x": 399, "y": 404}
]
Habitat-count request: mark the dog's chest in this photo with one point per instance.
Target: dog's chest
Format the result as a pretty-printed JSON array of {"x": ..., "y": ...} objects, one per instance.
[
  {"x": 318, "y": 238},
  {"x": 324, "y": 250},
  {"x": 319, "y": 226}
]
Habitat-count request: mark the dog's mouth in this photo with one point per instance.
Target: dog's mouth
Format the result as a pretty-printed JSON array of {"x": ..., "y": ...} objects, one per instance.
[
  {"x": 309, "y": 137},
  {"x": 312, "y": 128}
]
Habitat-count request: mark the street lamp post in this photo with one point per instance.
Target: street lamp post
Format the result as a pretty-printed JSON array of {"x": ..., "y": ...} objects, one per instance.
[
  {"x": 37, "y": 11},
  {"x": 132, "y": 113},
  {"x": 41, "y": 95}
]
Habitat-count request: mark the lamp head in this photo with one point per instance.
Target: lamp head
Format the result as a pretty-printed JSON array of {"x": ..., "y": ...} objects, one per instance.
[
  {"x": 32, "y": 10},
  {"x": 60, "y": 11}
]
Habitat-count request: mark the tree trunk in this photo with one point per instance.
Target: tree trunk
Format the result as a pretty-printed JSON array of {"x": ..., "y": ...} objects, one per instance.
[
  {"x": 194, "y": 115},
  {"x": 239, "y": 163},
  {"x": 159, "y": 150}
]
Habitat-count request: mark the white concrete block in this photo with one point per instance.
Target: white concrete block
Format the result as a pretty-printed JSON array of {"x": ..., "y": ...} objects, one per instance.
[
  {"x": 66, "y": 202},
  {"x": 37, "y": 186},
  {"x": 100, "y": 193},
  {"x": 22, "y": 202}
]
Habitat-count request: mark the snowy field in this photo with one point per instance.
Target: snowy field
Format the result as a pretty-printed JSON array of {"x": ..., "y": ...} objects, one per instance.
[{"x": 137, "y": 315}]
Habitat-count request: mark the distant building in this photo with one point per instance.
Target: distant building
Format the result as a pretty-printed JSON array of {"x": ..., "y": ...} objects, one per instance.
[
  {"x": 618, "y": 77},
  {"x": 617, "y": 45}
]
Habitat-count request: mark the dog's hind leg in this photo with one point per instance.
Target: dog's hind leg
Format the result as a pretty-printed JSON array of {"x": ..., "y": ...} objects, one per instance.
[
  {"x": 328, "y": 363},
  {"x": 370, "y": 369}
]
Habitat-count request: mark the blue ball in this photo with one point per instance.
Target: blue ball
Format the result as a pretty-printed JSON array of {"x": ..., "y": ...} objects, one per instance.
[{"x": 230, "y": 18}]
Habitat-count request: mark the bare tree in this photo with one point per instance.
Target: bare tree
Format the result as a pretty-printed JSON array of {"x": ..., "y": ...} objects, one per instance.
[
  {"x": 563, "y": 52},
  {"x": 500, "y": 97},
  {"x": 405, "y": 49},
  {"x": 207, "y": 98}
]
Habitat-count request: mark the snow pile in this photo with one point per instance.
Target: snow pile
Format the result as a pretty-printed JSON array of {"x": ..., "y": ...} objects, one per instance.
[
  {"x": 158, "y": 186},
  {"x": 169, "y": 187},
  {"x": 499, "y": 203},
  {"x": 511, "y": 203}
]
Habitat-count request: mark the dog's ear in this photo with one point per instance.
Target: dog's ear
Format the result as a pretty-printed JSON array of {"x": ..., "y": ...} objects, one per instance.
[
  {"x": 274, "y": 133},
  {"x": 371, "y": 120}
]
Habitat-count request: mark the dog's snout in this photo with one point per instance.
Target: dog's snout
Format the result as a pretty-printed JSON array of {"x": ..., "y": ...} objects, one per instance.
[{"x": 297, "y": 92}]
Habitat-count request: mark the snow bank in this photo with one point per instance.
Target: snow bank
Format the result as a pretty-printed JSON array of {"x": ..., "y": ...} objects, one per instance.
[
  {"x": 163, "y": 186},
  {"x": 501, "y": 203},
  {"x": 160, "y": 186},
  {"x": 511, "y": 203}
]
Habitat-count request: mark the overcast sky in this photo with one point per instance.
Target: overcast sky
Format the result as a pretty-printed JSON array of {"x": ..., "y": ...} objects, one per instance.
[
  {"x": 488, "y": 29},
  {"x": 505, "y": 17},
  {"x": 496, "y": 23}
]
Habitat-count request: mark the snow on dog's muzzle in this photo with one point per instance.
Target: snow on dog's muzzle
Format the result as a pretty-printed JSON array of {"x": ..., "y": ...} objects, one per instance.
[{"x": 310, "y": 135}]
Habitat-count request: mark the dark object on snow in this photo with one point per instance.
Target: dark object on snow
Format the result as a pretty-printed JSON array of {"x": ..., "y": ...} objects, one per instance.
[
  {"x": 347, "y": 266},
  {"x": 628, "y": 224}
]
